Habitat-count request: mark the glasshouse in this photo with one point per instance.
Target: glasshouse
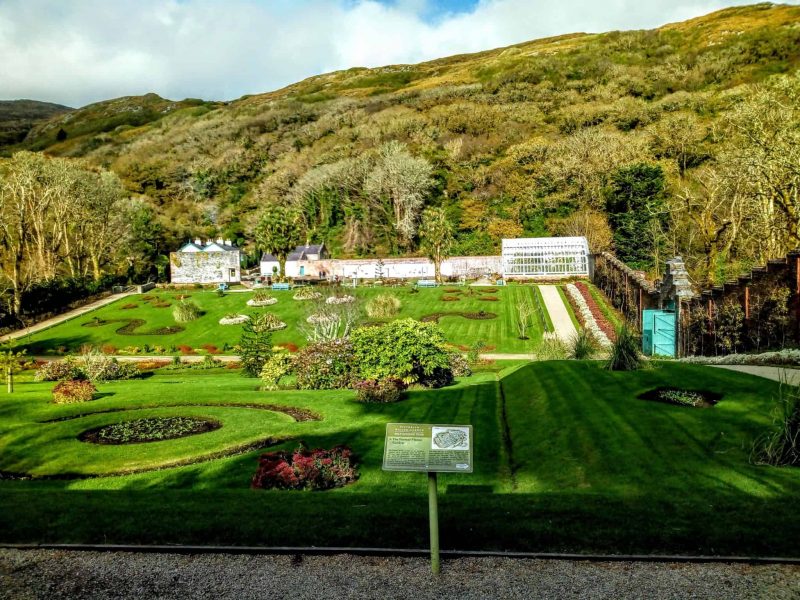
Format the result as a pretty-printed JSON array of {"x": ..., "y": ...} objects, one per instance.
[{"x": 545, "y": 257}]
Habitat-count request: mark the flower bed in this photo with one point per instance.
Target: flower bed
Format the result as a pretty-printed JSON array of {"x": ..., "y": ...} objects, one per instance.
[
  {"x": 265, "y": 302},
  {"x": 340, "y": 300},
  {"x": 597, "y": 311},
  {"x": 305, "y": 469},
  {"x": 682, "y": 397},
  {"x": 306, "y": 294},
  {"x": 234, "y": 319},
  {"x": 788, "y": 357},
  {"x": 585, "y": 315},
  {"x": 148, "y": 430},
  {"x": 321, "y": 318}
]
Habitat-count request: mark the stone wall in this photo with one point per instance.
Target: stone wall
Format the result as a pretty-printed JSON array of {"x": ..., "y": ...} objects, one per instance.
[{"x": 205, "y": 267}]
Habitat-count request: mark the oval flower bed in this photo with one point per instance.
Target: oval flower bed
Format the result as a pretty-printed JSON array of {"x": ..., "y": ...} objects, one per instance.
[
  {"x": 271, "y": 322},
  {"x": 153, "y": 429},
  {"x": 320, "y": 318},
  {"x": 682, "y": 397},
  {"x": 262, "y": 302},
  {"x": 305, "y": 469},
  {"x": 234, "y": 319},
  {"x": 340, "y": 300},
  {"x": 306, "y": 294}
]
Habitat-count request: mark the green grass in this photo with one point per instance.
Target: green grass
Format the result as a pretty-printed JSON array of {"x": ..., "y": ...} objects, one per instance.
[
  {"x": 568, "y": 306},
  {"x": 71, "y": 335},
  {"x": 566, "y": 459}
]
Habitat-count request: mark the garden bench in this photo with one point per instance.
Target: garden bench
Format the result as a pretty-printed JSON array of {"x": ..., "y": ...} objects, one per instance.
[
  {"x": 280, "y": 286},
  {"x": 427, "y": 283}
]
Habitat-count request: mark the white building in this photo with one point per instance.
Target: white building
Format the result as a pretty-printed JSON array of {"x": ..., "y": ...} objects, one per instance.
[
  {"x": 300, "y": 263},
  {"x": 554, "y": 257},
  {"x": 215, "y": 261}
]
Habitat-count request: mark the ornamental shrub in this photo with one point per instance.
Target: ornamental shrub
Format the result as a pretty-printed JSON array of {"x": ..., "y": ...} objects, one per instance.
[
  {"x": 459, "y": 365},
  {"x": 388, "y": 389},
  {"x": 96, "y": 366},
  {"x": 73, "y": 390},
  {"x": 625, "y": 355},
  {"x": 383, "y": 306},
  {"x": 277, "y": 366},
  {"x": 185, "y": 311},
  {"x": 305, "y": 469},
  {"x": 58, "y": 370},
  {"x": 406, "y": 349},
  {"x": 325, "y": 365}
]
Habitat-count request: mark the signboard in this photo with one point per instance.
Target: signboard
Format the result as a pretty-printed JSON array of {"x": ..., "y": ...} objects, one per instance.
[{"x": 428, "y": 448}]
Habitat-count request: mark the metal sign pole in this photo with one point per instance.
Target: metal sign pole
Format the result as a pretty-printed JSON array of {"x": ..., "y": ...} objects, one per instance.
[{"x": 433, "y": 514}]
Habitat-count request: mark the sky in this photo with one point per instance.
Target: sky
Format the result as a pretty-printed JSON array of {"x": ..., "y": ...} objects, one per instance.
[{"x": 75, "y": 52}]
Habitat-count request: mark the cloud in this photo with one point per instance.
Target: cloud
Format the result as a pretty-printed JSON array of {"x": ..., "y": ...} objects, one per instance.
[{"x": 87, "y": 50}]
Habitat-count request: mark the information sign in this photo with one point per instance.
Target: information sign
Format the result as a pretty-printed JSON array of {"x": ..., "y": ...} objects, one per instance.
[{"x": 428, "y": 448}]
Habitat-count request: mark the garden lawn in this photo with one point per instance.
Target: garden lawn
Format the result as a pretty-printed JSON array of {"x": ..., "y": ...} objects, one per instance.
[
  {"x": 70, "y": 336},
  {"x": 567, "y": 458}
]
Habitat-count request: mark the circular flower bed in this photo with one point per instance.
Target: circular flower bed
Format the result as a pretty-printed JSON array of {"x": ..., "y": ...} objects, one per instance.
[
  {"x": 320, "y": 318},
  {"x": 153, "y": 429},
  {"x": 264, "y": 302},
  {"x": 306, "y": 294},
  {"x": 234, "y": 319},
  {"x": 271, "y": 322},
  {"x": 340, "y": 300}
]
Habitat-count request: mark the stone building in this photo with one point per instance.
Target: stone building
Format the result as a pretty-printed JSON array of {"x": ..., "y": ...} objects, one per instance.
[{"x": 215, "y": 261}]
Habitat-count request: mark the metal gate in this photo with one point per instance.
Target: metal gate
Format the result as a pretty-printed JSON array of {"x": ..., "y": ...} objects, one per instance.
[{"x": 658, "y": 332}]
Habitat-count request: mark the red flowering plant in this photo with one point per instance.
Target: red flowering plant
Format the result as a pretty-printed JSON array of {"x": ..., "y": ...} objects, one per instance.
[
  {"x": 597, "y": 312},
  {"x": 305, "y": 469}
]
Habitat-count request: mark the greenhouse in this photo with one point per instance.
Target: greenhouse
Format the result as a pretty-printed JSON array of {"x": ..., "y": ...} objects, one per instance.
[{"x": 545, "y": 257}]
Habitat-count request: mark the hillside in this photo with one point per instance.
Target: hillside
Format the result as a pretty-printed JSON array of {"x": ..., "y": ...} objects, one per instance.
[
  {"x": 524, "y": 140},
  {"x": 18, "y": 117}
]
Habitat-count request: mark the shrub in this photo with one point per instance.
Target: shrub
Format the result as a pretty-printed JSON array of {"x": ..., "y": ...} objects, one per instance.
[
  {"x": 551, "y": 348},
  {"x": 289, "y": 346},
  {"x": 582, "y": 345},
  {"x": 210, "y": 348},
  {"x": 129, "y": 306},
  {"x": 459, "y": 365},
  {"x": 277, "y": 366},
  {"x": 388, "y": 389},
  {"x": 325, "y": 365},
  {"x": 305, "y": 469},
  {"x": 100, "y": 367},
  {"x": 220, "y": 293},
  {"x": 625, "y": 354},
  {"x": 73, "y": 390},
  {"x": 781, "y": 446},
  {"x": 151, "y": 365},
  {"x": 450, "y": 298},
  {"x": 185, "y": 350},
  {"x": 407, "y": 349},
  {"x": 58, "y": 370},
  {"x": 186, "y": 311}
]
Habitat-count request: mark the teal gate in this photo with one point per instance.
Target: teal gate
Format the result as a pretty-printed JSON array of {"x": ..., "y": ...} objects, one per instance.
[{"x": 658, "y": 332}]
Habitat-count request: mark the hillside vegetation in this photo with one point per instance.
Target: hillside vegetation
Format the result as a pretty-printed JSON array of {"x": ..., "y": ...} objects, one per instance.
[
  {"x": 681, "y": 140},
  {"x": 18, "y": 117}
]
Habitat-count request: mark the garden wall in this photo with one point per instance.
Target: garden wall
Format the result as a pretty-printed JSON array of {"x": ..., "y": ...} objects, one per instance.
[{"x": 756, "y": 312}]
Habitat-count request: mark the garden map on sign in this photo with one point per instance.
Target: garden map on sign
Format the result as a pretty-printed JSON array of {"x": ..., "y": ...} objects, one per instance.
[{"x": 428, "y": 448}]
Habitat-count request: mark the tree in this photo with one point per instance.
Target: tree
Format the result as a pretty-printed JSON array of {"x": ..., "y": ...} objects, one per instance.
[
  {"x": 436, "y": 238},
  {"x": 588, "y": 223},
  {"x": 523, "y": 317},
  {"x": 61, "y": 135},
  {"x": 10, "y": 364},
  {"x": 278, "y": 232},
  {"x": 255, "y": 345},
  {"x": 636, "y": 204}
]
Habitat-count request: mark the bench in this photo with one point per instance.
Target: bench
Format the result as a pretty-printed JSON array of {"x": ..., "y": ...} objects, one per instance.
[
  {"x": 280, "y": 286},
  {"x": 427, "y": 283},
  {"x": 500, "y": 282}
]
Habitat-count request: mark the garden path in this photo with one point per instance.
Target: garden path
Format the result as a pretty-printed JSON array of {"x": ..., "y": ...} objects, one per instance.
[
  {"x": 47, "y": 323},
  {"x": 562, "y": 323},
  {"x": 789, "y": 375}
]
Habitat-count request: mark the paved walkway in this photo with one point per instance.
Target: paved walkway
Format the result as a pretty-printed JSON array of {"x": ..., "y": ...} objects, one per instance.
[
  {"x": 791, "y": 376},
  {"x": 64, "y": 317},
  {"x": 562, "y": 323}
]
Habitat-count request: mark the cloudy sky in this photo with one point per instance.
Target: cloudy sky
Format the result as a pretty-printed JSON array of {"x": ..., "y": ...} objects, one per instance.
[{"x": 79, "y": 51}]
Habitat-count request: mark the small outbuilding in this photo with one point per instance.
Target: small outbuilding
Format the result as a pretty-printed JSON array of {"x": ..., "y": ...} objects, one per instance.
[
  {"x": 545, "y": 258},
  {"x": 215, "y": 261}
]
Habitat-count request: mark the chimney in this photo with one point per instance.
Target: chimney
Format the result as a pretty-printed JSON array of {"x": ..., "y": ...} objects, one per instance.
[
  {"x": 198, "y": 242},
  {"x": 220, "y": 241},
  {"x": 228, "y": 243},
  {"x": 209, "y": 242}
]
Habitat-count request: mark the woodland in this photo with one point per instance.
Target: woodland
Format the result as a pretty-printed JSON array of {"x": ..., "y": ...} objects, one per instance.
[{"x": 683, "y": 140}]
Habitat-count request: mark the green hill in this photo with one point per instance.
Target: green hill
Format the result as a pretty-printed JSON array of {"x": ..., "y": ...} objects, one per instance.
[
  {"x": 519, "y": 140},
  {"x": 18, "y": 117}
]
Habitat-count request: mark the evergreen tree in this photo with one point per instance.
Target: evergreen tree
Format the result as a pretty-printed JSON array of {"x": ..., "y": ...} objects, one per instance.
[
  {"x": 436, "y": 238},
  {"x": 636, "y": 205},
  {"x": 255, "y": 346}
]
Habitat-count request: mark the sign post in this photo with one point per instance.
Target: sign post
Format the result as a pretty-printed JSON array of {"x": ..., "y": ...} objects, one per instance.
[{"x": 431, "y": 449}]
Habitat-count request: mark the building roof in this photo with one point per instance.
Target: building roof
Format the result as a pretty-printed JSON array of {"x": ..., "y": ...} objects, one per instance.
[
  {"x": 211, "y": 246},
  {"x": 299, "y": 253}
]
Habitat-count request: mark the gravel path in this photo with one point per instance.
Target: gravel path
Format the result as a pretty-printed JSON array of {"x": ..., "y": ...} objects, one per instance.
[
  {"x": 47, "y": 323},
  {"x": 562, "y": 323},
  {"x": 791, "y": 376},
  {"x": 71, "y": 574}
]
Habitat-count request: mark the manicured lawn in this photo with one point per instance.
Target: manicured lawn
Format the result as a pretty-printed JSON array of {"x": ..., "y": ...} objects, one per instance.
[
  {"x": 499, "y": 332},
  {"x": 567, "y": 459}
]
